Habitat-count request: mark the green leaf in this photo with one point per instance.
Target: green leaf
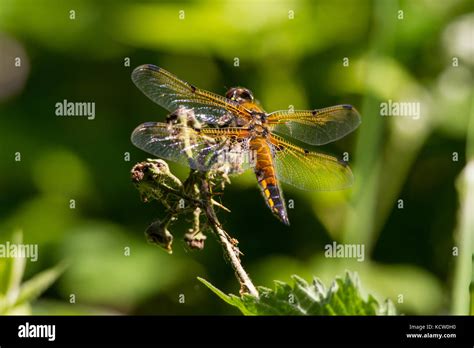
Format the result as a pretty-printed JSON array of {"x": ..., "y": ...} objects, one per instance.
[
  {"x": 11, "y": 273},
  {"x": 342, "y": 298},
  {"x": 15, "y": 296},
  {"x": 12, "y": 269},
  {"x": 230, "y": 299},
  {"x": 35, "y": 286}
]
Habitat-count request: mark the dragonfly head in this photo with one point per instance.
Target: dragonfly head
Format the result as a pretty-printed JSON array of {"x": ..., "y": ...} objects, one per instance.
[{"x": 240, "y": 95}]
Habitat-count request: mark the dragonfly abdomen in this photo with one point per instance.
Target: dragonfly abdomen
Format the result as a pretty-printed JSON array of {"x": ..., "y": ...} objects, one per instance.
[{"x": 268, "y": 182}]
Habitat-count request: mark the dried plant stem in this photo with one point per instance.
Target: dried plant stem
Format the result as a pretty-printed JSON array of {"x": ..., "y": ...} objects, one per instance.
[
  {"x": 228, "y": 244},
  {"x": 154, "y": 181}
]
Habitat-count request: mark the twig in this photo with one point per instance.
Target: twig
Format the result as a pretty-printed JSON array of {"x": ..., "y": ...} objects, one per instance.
[{"x": 230, "y": 248}]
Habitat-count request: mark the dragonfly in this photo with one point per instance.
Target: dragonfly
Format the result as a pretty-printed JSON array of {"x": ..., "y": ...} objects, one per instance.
[{"x": 233, "y": 133}]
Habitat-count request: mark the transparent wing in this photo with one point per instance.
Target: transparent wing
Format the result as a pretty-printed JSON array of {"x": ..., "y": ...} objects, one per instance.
[
  {"x": 168, "y": 91},
  {"x": 208, "y": 149},
  {"x": 310, "y": 171},
  {"x": 315, "y": 127}
]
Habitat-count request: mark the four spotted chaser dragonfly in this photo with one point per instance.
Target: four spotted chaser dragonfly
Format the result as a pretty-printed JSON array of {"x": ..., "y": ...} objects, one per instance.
[{"x": 233, "y": 134}]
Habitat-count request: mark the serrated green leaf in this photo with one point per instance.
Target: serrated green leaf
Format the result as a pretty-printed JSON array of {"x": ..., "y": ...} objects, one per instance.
[
  {"x": 343, "y": 297},
  {"x": 387, "y": 308}
]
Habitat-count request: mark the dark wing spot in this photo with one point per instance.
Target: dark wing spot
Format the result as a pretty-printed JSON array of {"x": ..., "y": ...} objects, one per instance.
[
  {"x": 279, "y": 147},
  {"x": 306, "y": 151},
  {"x": 347, "y": 106},
  {"x": 193, "y": 88},
  {"x": 314, "y": 112}
]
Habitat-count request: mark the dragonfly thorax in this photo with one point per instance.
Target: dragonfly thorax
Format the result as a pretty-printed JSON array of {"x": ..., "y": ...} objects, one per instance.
[{"x": 257, "y": 125}]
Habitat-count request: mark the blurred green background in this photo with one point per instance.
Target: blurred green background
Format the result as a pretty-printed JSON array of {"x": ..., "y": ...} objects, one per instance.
[{"x": 289, "y": 53}]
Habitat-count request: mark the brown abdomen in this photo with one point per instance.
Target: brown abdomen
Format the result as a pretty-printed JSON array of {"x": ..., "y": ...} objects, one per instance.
[{"x": 267, "y": 180}]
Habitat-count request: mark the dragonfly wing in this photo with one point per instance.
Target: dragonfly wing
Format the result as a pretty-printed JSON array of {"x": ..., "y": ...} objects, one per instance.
[
  {"x": 306, "y": 170},
  {"x": 168, "y": 91},
  {"x": 204, "y": 150},
  {"x": 315, "y": 127}
]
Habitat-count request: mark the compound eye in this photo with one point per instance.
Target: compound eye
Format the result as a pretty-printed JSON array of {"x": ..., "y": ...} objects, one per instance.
[
  {"x": 246, "y": 94},
  {"x": 231, "y": 93}
]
